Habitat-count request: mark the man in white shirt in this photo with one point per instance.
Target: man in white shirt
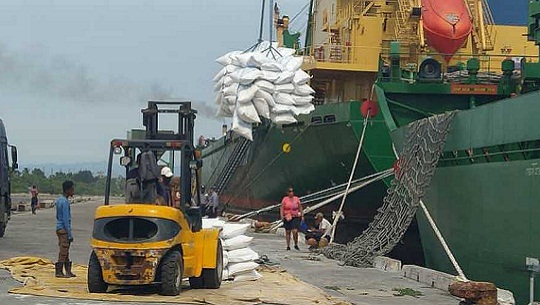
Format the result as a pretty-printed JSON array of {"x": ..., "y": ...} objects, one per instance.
[{"x": 319, "y": 236}]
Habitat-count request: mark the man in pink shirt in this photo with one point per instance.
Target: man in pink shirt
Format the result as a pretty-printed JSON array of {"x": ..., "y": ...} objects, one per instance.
[{"x": 291, "y": 213}]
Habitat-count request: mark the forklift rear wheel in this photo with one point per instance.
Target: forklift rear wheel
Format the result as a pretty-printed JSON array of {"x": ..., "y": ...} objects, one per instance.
[
  {"x": 210, "y": 278},
  {"x": 172, "y": 269},
  {"x": 95, "y": 276}
]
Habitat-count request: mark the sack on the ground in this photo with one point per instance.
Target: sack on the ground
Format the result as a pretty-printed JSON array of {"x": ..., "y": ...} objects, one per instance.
[
  {"x": 252, "y": 275},
  {"x": 231, "y": 230},
  {"x": 237, "y": 268},
  {"x": 225, "y": 258},
  {"x": 242, "y": 255},
  {"x": 237, "y": 242},
  {"x": 226, "y": 274}
]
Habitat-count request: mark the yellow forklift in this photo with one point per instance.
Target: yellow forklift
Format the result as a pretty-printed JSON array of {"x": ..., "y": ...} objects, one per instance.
[{"x": 141, "y": 242}]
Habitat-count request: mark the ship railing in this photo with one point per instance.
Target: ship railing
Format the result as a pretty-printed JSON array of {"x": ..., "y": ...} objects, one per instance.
[
  {"x": 340, "y": 53},
  {"x": 456, "y": 69}
]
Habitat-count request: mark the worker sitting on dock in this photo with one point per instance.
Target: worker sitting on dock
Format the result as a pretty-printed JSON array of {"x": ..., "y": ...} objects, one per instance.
[{"x": 320, "y": 236}]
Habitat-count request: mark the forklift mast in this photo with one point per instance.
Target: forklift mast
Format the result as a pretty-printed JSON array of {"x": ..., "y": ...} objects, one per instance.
[{"x": 186, "y": 120}]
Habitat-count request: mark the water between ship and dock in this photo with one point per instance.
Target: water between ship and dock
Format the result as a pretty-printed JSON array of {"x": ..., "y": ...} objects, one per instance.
[{"x": 33, "y": 235}]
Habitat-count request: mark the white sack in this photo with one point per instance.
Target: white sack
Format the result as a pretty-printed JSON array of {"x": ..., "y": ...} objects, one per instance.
[
  {"x": 267, "y": 97},
  {"x": 265, "y": 85},
  {"x": 246, "y": 94},
  {"x": 285, "y": 88},
  {"x": 225, "y": 258},
  {"x": 241, "y": 267},
  {"x": 505, "y": 297},
  {"x": 303, "y": 90},
  {"x": 283, "y": 118},
  {"x": 280, "y": 108},
  {"x": 227, "y": 58},
  {"x": 237, "y": 242},
  {"x": 242, "y": 255},
  {"x": 284, "y": 77},
  {"x": 224, "y": 110},
  {"x": 218, "y": 86},
  {"x": 286, "y": 52},
  {"x": 262, "y": 107},
  {"x": 301, "y": 77},
  {"x": 231, "y": 230},
  {"x": 293, "y": 64},
  {"x": 242, "y": 128},
  {"x": 229, "y": 100},
  {"x": 252, "y": 275},
  {"x": 219, "y": 98},
  {"x": 231, "y": 90},
  {"x": 270, "y": 76},
  {"x": 272, "y": 66},
  {"x": 245, "y": 76},
  {"x": 303, "y": 109},
  {"x": 284, "y": 98},
  {"x": 248, "y": 113},
  {"x": 301, "y": 100},
  {"x": 212, "y": 223},
  {"x": 226, "y": 275}
]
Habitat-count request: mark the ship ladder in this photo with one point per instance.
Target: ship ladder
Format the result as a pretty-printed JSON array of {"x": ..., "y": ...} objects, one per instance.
[{"x": 234, "y": 161}]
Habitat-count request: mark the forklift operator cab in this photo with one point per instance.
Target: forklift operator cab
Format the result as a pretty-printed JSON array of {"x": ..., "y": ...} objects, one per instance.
[{"x": 141, "y": 243}]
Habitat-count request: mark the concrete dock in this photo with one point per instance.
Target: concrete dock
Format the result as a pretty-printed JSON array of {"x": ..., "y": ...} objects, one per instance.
[{"x": 33, "y": 235}]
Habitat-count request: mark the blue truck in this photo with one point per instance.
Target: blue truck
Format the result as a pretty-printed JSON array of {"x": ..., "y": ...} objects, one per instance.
[{"x": 5, "y": 170}]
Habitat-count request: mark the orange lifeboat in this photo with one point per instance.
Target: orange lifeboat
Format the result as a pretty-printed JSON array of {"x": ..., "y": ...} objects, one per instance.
[{"x": 447, "y": 25}]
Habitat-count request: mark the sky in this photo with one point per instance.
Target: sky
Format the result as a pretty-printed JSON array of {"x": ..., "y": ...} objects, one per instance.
[{"x": 75, "y": 74}]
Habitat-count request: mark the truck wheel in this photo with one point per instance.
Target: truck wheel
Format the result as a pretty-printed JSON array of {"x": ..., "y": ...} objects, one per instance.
[
  {"x": 172, "y": 268},
  {"x": 95, "y": 276},
  {"x": 212, "y": 277}
]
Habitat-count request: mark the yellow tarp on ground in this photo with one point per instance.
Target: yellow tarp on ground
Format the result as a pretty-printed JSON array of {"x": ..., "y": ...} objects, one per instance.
[{"x": 276, "y": 287}]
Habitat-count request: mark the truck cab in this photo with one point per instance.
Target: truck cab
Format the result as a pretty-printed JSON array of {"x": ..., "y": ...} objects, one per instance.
[{"x": 5, "y": 185}]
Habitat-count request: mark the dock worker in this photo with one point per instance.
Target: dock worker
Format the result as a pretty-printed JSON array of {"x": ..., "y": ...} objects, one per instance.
[
  {"x": 164, "y": 186},
  {"x": 212, "y": 204},
  {"x": 34, "y": 198},
  {"x": 291, "y": 213},
  {"x": 63, "y": 230},
  {"x": 319, "y": 236}
]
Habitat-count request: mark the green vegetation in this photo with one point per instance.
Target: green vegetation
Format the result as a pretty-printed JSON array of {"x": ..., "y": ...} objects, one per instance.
[
  {"x": 85, "y": 182},
  {"x": 407, "y": 291}
]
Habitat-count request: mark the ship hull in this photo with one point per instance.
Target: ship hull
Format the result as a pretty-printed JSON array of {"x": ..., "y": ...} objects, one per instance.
[
  {"x": 484, "y": 194},
  {"x": 320, "y": 156}
]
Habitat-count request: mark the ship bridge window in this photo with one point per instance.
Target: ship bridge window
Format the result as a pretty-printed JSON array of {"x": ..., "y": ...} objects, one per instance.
[
  {"x": 330, "y": 118},
  {"x": 316, "y": 120}
]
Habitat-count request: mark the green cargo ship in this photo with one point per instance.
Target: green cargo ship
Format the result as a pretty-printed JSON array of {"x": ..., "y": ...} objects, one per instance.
[
  {"x": 347, "y": 49},
  {"x": 485, "y": 193}
]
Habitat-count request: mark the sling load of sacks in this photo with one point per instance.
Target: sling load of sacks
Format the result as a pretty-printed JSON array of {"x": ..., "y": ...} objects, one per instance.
[
  {"x": 238, "y": 258},
  {"x": 254, "y": 84}
]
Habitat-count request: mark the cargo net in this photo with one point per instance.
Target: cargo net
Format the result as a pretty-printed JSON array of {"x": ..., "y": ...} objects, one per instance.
[{"x": 422, "y": 148}]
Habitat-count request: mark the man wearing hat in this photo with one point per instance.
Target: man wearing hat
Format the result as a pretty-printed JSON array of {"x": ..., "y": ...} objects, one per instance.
[
  {"x": 319, "y": 236},
  {"x": 164, "y": 186}
]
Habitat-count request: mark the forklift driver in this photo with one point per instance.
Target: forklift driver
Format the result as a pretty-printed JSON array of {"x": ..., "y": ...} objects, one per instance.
[{"x": 141, "y": 181}]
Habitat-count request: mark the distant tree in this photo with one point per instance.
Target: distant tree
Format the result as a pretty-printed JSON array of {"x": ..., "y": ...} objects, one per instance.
[
  {"x": 38, "y": 173},
  {"x": 85, "y": 176}
]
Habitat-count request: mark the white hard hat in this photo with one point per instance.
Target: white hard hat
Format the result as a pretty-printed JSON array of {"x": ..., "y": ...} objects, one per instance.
[{"x": 166, "y": 172}]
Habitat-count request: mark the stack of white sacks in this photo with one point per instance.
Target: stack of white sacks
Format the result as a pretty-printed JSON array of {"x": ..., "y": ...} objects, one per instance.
[
  {"x": 238, "y": 258},
  {"x": 255, "y": 84}
]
